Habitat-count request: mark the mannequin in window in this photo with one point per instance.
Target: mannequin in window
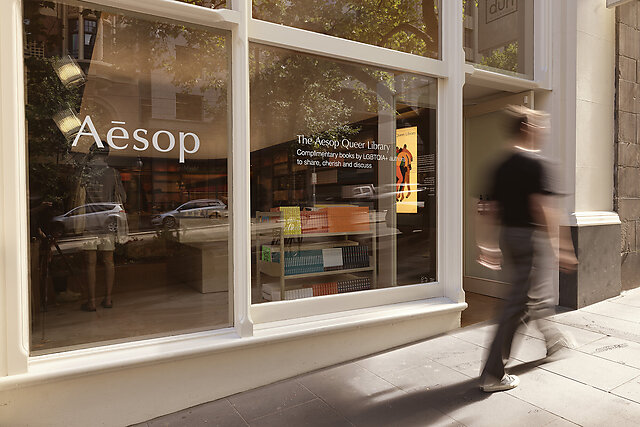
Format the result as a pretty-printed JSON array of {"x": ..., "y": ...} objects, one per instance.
[{"x": 100, "y": 198}]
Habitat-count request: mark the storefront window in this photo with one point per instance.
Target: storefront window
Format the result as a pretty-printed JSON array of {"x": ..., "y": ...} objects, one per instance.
[
  {"x": 343, "y": 176},
  {"x": 128, "y": 178},
  {"x": 411, "y": 26},
  {"x": 499, "y": 35}
]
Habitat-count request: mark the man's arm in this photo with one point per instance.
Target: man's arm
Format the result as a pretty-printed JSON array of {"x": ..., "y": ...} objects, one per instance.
[{"x": 547, "y": 217}]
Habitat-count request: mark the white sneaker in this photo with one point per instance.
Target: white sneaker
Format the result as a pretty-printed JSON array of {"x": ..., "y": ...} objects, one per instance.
[{"x": 507, "y": 383}]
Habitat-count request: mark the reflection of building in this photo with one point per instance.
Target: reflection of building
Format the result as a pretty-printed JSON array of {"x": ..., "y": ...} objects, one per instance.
[
  {"x": 116, "y": 75},
  {"x": 565, "y": 64}
]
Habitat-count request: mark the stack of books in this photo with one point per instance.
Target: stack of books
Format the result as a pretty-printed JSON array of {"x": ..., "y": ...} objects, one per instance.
[
  {"x": 355, "y": 256},
  {"x": 318, "y": 260},
  {"x": 271, "y": 291},
  {"x": 325, "y": 289},
  {"x": 347, "y": 219},
  {"x": 342, "y": 286},
  {"x": 314, "y": 221},
  {"x": 332, "y": 219},
  {"x": 353, "y": 285},
  {"x": 291, "y": 218},
  {"x": 302, "y": 262}
]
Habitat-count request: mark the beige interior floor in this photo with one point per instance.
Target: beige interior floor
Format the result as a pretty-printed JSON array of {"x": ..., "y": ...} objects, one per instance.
[
  {"x": 481, "y": 308},
  {"x": 143, "y": 313}
]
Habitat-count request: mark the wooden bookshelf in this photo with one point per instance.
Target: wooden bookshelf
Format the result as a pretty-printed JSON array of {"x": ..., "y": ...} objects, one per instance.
[{"x": 277, "y": 269}]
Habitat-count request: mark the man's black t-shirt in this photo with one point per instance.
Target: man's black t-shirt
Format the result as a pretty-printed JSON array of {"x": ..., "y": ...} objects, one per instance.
[{"x": 515, "y": 180}]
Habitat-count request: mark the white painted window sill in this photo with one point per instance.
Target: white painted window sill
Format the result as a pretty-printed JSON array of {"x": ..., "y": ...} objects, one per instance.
[{"x": 57, "y": 366}]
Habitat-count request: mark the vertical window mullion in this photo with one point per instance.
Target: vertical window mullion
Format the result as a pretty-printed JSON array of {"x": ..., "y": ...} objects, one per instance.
[{"x": 240, "y": 175}]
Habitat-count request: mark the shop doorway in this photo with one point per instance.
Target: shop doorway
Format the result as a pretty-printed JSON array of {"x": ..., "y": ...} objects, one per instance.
[{"x": 485, "y": 140}]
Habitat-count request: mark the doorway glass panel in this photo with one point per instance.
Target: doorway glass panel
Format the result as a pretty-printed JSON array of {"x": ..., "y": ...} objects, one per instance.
[{"x": 498, "y": 35}]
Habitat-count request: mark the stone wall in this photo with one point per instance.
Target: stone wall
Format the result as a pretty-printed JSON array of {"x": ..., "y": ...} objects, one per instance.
[{"x": 627, "y": 139}]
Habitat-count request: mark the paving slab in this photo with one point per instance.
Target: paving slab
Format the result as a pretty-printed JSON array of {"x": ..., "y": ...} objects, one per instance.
[
  {"x": 479, "y": 409},
  {"x": 428, "y": 375},
  {"x": 616, "y": 311},
  {"x": 629, "y": 390},
  {"x": 480, "y": 335},
  {"x": 578, "y": 336},
  {"x": 527, "y": 349},
  {"x": 615, "y": 349},
  {"x": 396, "y": 359},
  {"x": 574, "y": 401},
  {"x": 601, "y": 324},
  {"x": 268, "y": 399},
  {"x": 406, "y": 410},
  {"x": 350, "y": 389},
  {"x": 219, "y": 413},
  {"x": 315, "y": 413},
  {"x": 455, "y": 353},
  {"x": 631, "y": 298},
  {"x": 591, "y": 370},
  {"x": 560, "y": 422}
]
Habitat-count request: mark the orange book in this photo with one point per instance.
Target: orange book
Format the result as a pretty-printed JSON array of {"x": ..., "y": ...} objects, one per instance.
[{"x": 343, "y": 219}]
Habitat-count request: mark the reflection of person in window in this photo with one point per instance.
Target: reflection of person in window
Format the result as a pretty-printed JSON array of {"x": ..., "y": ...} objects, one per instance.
[
  {"x": 403, "y": 169},
  {"x": 99, "y": 183}
]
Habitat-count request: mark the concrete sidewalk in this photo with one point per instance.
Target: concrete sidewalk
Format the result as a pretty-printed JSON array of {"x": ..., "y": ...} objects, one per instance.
[{"x": 434, "y": 382}]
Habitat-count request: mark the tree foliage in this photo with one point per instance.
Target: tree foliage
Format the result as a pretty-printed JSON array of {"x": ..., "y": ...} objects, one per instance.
[{"x": 505, "y": 58}]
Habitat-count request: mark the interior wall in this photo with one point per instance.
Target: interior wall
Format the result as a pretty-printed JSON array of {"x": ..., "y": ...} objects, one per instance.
[{"x": 485, "y": 140}]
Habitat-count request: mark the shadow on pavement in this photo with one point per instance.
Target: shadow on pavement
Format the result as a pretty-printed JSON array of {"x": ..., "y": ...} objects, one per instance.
[{"x": 430, "y": 406}]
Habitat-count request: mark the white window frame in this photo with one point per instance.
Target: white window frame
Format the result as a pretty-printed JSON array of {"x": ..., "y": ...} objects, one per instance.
[{"x": 450, "y": 72}]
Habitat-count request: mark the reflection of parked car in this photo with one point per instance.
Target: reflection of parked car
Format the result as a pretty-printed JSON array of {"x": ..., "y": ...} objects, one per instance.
[
  {"x": 365, "y": 191},
  {"x": 203, "y": 208},
  {"x": 92, "y": 217}
]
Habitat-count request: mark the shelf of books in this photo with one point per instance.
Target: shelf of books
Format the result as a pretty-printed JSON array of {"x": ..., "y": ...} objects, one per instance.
[{"x": 329, "y": 244}]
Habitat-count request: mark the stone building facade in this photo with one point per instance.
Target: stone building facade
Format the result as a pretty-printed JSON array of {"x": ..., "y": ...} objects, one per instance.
[{"x": 627, "y": 139}]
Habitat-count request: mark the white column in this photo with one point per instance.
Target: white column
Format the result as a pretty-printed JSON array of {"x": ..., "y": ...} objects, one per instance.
[
  {"x": 450, "y": 166},
  {"x": 14, "y": 298},
  {"x": 240, "y": 246}
]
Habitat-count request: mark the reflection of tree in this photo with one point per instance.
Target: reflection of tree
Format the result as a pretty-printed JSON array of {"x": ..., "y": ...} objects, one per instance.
[
  {"x": 127, "y": 50},
  {"x": 407, "y": 25},
  {"x": 317, "y": 96},
  {"x": 136, "y": 47},
  {"x": 49, "y": 168},
  {"x": 313, "y": 96},
  {"x": 504, "y": 59}
]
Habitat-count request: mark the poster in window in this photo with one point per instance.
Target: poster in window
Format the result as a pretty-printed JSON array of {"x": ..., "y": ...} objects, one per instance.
[{"x": 406, "y": 170}]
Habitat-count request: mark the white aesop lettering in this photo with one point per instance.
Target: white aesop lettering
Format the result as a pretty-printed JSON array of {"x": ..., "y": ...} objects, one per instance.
[
  {"x": 92, "y": 131},
  {"x": 196, "y": 144},
  {"x": 172, "y": 141}
]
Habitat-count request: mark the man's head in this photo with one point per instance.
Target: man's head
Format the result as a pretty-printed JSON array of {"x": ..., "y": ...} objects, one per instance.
[{"x": 525, "y": 125}]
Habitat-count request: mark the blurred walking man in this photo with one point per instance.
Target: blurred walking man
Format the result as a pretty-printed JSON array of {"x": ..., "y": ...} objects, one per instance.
[{"x": 529, "y": 230}]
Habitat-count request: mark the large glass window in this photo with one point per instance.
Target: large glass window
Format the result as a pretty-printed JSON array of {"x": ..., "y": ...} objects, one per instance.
[
  {"x": 411, "y": 26},
  {"x": 128, "y": 178},
  {"x": 343, "y": 176},
  {"x": 498, "y": 35}
]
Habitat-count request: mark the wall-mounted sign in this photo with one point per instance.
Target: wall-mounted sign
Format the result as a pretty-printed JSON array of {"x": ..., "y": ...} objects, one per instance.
[
  {"x": 496, "y": 9},
  {"x": 497, "y": 23}
]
